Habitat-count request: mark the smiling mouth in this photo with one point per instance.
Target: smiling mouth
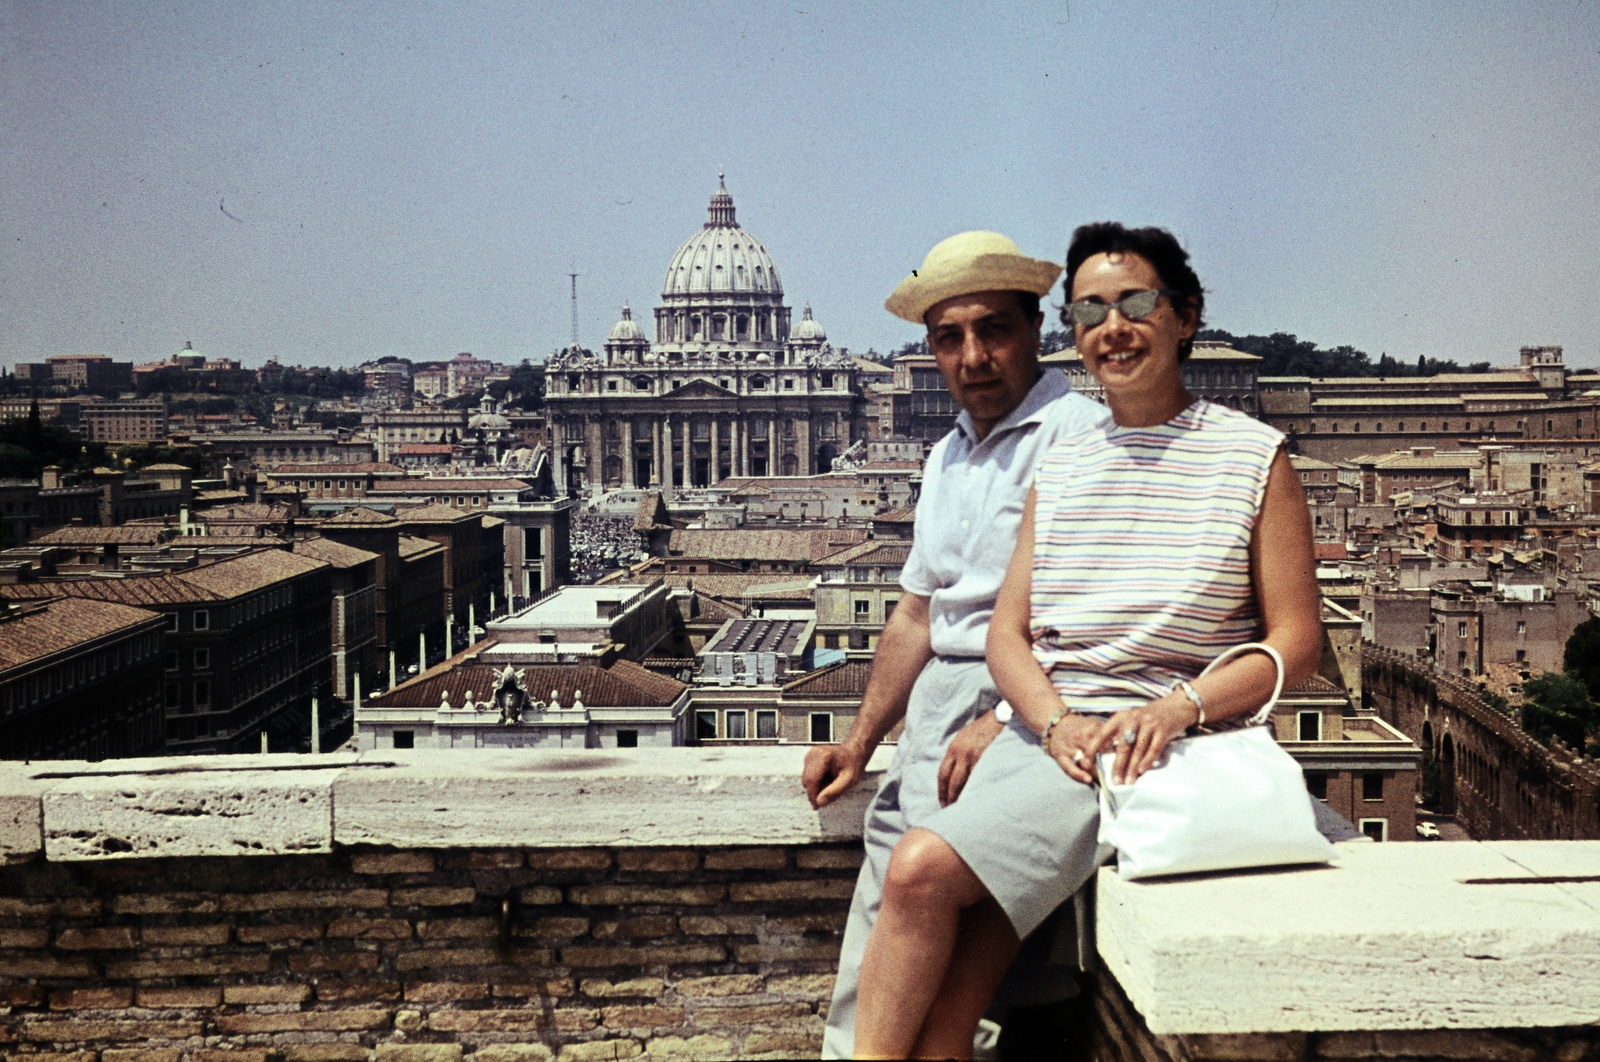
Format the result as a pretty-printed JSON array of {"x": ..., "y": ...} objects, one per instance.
[{"x": 1121, "y": 357}]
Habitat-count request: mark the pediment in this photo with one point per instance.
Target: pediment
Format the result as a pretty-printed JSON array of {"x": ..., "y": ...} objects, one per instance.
[{"x": 700, "y": 389}]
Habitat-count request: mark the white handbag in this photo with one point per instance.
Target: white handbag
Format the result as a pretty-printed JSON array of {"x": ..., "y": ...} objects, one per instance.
[{"x": 1217, "y": 801}]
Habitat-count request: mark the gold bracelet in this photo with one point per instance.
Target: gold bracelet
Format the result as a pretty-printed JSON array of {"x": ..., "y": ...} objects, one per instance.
[{"x": 1044, "y": 738}]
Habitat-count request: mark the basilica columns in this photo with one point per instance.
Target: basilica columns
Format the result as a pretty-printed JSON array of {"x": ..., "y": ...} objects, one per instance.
[
  {"x": 666, "y": 435},
  {"x": 744, "y": 446},
  {"x": 655, "y": 453},
  {"x": 716, "y": 456},
  {"x": 627, "y": 453}
]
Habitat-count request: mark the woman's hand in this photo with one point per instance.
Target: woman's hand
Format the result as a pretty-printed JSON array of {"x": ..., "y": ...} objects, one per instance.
[
  {"x": 1072, "y": 745},
  {"x": 1151, "y": 726}
]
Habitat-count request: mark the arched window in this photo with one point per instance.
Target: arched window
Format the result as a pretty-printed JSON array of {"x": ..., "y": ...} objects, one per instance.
[
  {"x": 758, "y": 383},
  {"x": 641, "y": 383}
]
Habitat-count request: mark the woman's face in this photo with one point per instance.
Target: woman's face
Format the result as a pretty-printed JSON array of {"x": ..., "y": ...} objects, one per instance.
[{"x": 1130, "y": 358}]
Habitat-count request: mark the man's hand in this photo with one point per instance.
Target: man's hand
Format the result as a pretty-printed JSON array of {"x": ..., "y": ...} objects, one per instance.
[
  {"x": 830, "y": 772},
  {"x": 963, "y": 753}
]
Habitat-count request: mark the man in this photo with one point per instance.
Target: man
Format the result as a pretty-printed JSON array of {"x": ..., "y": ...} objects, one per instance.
[{"x": 978, "y": 297}]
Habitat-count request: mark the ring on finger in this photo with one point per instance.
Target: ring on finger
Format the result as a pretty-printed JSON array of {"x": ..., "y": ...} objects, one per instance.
[
  {"x": 1077, "y": 756},
  {"x": 1129, "y": 736}
]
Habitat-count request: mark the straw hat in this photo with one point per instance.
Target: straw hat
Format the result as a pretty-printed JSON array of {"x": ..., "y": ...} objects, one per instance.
[{"x": 965, "y": 263}]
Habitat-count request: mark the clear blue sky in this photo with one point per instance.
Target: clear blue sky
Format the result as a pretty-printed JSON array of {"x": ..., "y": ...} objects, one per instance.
[{"x": 414, "y": 179}]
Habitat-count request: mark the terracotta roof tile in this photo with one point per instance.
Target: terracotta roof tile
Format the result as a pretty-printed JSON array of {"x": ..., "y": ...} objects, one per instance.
[
  {"x": 848, "y": 678},
  {"x": 431, "y": 513},
  {"x": 618, "y": 686},
  {"x": 411, "y": 546},
  {"x": 380, "y": 467},
  {"x": 253, "y": 571},
  {"x": 335, "y": 553},
  {"x": 360, "y": 515},
  {"x": 152, "y": 591},
  {"x": 60, "y": 624},
  {"x": 139, "y": 535},
  {"x": 443, "y": 484},
  {"x": 767, "y": 545},
  {"x": 878, "y": 551}
]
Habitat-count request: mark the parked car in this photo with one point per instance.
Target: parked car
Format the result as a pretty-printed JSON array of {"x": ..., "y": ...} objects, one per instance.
[{"x": 1427, "y": 831}]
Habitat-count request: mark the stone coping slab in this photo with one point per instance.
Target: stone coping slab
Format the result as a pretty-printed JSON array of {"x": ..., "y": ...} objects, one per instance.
[
  {"x": 279, "y": 804},
  {"x": 1393, "y": 936}
]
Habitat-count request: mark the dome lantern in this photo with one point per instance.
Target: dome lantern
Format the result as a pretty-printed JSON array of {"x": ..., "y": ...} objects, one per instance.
[{"x": 720, "y": 214}]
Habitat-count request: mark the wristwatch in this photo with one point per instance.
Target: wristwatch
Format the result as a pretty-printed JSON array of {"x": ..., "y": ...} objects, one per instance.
[{"x": 1002, "y": 713}]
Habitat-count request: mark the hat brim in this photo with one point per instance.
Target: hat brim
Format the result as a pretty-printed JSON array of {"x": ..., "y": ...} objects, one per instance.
[{"x": 925, "y": 289}]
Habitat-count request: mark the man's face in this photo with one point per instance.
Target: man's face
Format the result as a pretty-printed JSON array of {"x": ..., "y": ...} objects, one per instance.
[{"x": 988, "y": 351}]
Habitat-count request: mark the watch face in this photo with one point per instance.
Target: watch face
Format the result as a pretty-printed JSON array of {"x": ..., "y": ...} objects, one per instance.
[{"x": 1002, "y": 712}]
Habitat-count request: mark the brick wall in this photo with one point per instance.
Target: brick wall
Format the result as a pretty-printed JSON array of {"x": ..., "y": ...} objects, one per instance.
[
  {"x": 501, "y": 955},
  {"x": 1116, "y": 1033}
]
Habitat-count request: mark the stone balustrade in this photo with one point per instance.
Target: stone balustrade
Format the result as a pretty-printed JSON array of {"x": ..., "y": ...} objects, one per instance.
[{"x": 428, "y": 906}]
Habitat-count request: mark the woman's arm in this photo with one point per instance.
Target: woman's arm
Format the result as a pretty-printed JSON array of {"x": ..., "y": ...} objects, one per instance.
[
  {"x": 1283, "y": 571},
  {"x": 1018, "y": 676}
]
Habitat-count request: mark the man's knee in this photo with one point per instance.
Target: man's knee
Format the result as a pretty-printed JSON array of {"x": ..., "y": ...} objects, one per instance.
[{"x": 925, "y": 869}]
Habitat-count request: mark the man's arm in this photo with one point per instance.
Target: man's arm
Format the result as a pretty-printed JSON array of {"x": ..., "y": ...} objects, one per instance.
[{"x": 904, "y": 650}]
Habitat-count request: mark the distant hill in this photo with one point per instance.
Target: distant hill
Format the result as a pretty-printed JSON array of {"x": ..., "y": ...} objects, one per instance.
[{"x": 1284, "y": 354}]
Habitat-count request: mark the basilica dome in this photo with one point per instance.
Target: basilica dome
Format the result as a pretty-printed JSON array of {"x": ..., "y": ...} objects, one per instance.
[
  {"x": 626, "y": 330},
  {"x": 808, "y": 330},
  {"x": 721, "y": 258}
]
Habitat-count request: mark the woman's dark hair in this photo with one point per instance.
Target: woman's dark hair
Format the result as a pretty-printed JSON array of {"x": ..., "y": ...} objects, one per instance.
[{"x": 1158, "y": 247}]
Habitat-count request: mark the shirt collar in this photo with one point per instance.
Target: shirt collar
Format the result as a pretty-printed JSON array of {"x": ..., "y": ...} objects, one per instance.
[{"x": 1051, "y": 385}]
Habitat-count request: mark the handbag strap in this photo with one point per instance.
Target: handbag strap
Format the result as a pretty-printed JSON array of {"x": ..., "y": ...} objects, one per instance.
[{"x": 1265, "y": 710}]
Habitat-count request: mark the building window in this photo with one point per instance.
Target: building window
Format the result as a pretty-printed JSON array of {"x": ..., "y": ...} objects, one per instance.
[
  {"x": 1522, "y": 656},
  {"x": 863, "y": 610},
  {"x": 735, "y": 723},
  {"x": 1522, "y": 626},
  {"x": 172, "y": 621},
  {"x": 888, "y": 607},
  {"x": 822, "y": 727},
  {"x": 1461, "y": 628},
  {"x": 611, "y": 385},
  {"x": 1309, "y": 725},
  {"x": 827, "y": 381},
  {"x": 202, "y": 619},
  {"x": 1317, "y": 784},
  {"x": 1377, "y": 829},
  {"x": 788, "y": 384},
  {"x": 405, "y": 739},
  {"x": 202, "y": 659},
  {"x": 627, "y": 739},
  {"x": 705, "y": 726},
  {"x": 766, "y": 725},
  {"x": 172, "y": 660},
  {"x": 1461, "y": 659},
  {"x": 202, "y": 695},
  {"x": 172, "y": 695},
  {"x": 1371, "y": 786}
]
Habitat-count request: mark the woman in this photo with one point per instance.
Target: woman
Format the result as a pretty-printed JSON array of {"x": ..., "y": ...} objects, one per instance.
[{"x": 1172, "y": 530}]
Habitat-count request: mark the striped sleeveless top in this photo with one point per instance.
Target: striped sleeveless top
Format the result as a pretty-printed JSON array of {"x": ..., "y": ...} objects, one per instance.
[{"x": 1141, "y": 553}]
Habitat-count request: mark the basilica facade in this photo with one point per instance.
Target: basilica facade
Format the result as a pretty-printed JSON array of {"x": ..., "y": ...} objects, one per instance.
[{"x": 729, "y": 385}]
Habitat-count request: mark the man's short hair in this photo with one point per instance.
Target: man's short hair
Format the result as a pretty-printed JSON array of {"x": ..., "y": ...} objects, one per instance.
[{"x": 1027, "y": 302}]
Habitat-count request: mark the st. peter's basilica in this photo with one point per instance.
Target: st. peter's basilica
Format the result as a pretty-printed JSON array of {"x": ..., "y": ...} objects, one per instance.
[{"x": 729, "y": 387}]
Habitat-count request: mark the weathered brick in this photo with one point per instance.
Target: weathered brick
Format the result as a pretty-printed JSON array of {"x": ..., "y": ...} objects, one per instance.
[
  {"x": 829, "y": 858},
  {"x": 166, "y": 903},
  {"x": 793, "y": 951},
  {"x": 816, "y": 986},
  {"x": 574, "y": 1019},
  {"x": 611, "y": 895},
  {"x": 696, "y": 926},
  {"x": 332, "y": 961},
  {"x": 600, "y": 1051},
  {"x": 248, "y": 994},
  {"x": 651, "y": 1017},
  {"x": 48, "y": 966},
  {"x": 181, "y": 936},
  {"x": 747, "y": 859},
  {"x": 107, "y": 938},
  {"x": 493, "y": 859},
  {"x": 172, "y": 998},
  {"x": 810, "y": 889},
  {"x": 551, "y": 988},
  {"x": 391, "y": 862},
  {"x": 136, "y": 1054},
  {"x": 66, "y": 906},
  {"x": 370, "y": 928},
  {"x": 554, "y": 928},
  {"x": 305, "y": 899},
  {"x": 658, "y": 860},
  {"x": 787, "y": 1044},
  {"x": 487, "y": 1020},
  {"x": 278, "y": 932},
  {"x": 729, "y": 985},
  {"x": 1452, "y": 1044},
  {"x": 70, "y": 1056},
  {"x": 1241, "y": 1047},
  {"x": 630, "y": 928},
  {"x": 569, "y": 859},
  {"x": 432, "y": 896},
  {"x": 645, "y": 955},
  {"x": 21, "y": 995},
  {"x": 138, "y": 969},
  {"x": 456, "y": 928},
  {"x": 446, "y": 991},
  {"x": 334, "y": 989},
  {"x": 91, "y": 999},
  {"x": 24, "y": 938},
  {"x": 418, "y": 1053},
  {"x": 703, "y": 1046},
  {"x": 304, "y": 1021},
  {"x": 539, "y": 895},
  {"x": 217, "y": 1054},
  {"x": 795, "y": 925},
  {"x": 646, "y": 987},
  {"x": 441, "y": 958},
  {"x": 752, "y": 1014},
  {"x": 73, "y": 1030},
  {"x": 513, "y": 1053},
  {"x": 324, "y": 1052}
]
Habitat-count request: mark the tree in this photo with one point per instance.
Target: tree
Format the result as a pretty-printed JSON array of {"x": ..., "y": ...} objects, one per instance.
[
  {"x": 1582, "y": 655},
  {"x": 1558, "y": 705}
]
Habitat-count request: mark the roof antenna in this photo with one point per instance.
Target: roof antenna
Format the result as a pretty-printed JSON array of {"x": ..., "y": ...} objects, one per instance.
[{"x": 574, "y": 276}]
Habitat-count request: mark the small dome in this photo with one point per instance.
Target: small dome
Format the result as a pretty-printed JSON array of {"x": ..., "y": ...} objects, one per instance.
[
  {"x": 626, "y": 330},
  {"x": 721, "y": 257},
  {"x": 486, "y": 419},
  {"x": 807, "y": 330}
]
